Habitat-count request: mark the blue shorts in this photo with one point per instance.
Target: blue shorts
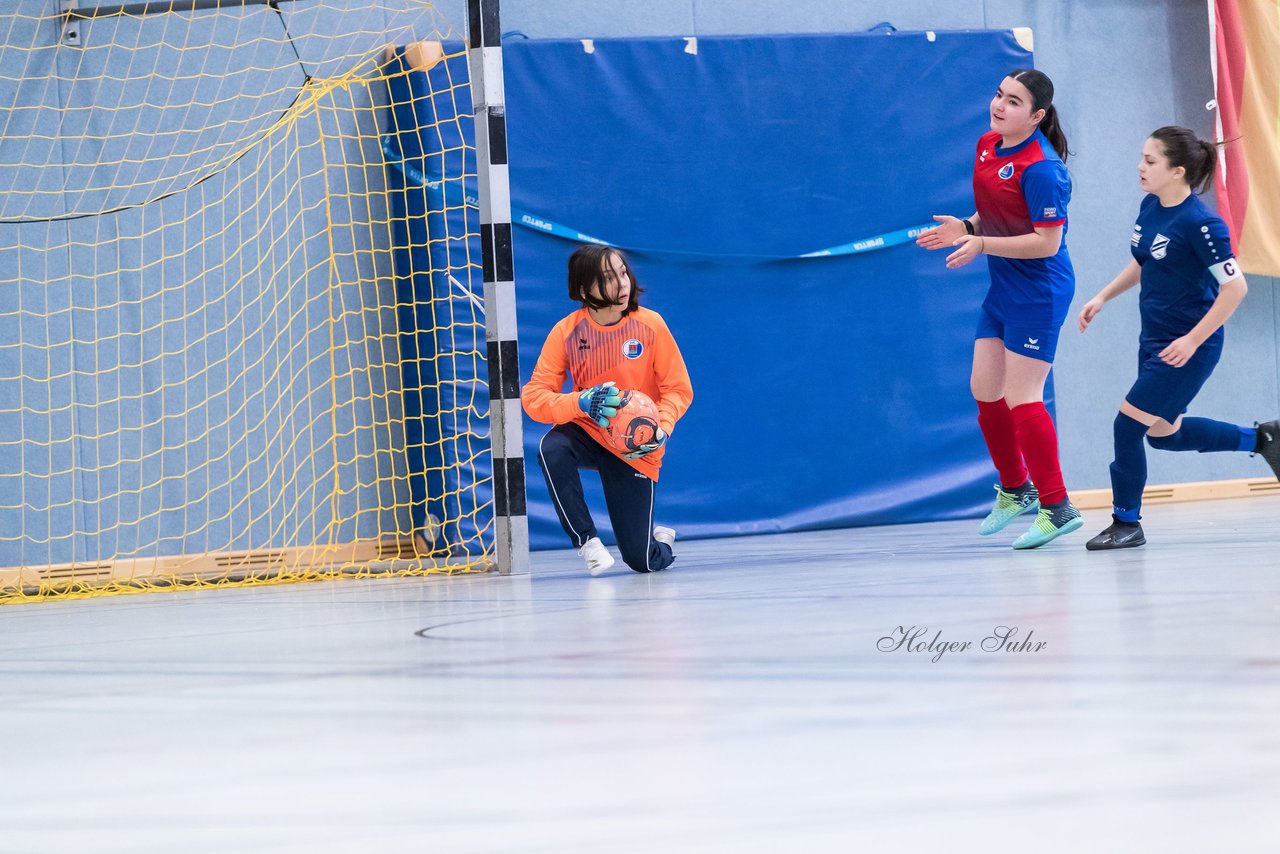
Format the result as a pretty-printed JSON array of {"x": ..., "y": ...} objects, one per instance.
[
  {"x": 1166, "y": 391},
  {"x": 1034, "y": 340}
]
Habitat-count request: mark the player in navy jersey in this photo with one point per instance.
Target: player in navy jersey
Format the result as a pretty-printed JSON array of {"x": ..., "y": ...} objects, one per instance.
[
  {"x": 1021, "y": 189},
  {"x": 1190, "y": 286}
]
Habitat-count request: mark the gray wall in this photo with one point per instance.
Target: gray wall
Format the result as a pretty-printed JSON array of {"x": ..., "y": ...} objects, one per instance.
[{"x": 1122, "y": 68}]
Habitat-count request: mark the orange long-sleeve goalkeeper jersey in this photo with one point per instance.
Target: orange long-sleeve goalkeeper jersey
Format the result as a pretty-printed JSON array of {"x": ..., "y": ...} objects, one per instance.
[{"x": 637, "y": 352}]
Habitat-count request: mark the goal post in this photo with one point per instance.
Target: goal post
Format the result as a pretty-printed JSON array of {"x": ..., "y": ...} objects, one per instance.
[
  {"x": 512, "y": 524},
  {"x": 202, "y": 377}
]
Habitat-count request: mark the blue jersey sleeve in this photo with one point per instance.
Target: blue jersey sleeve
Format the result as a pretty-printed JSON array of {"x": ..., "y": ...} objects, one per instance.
[
  {"x": 1047, "y": 189},
  {"x": 1211, "y": 241}
]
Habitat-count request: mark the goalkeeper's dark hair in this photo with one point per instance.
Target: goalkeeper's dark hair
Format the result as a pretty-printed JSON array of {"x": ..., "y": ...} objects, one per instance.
[{"x": 587, "y": 267}]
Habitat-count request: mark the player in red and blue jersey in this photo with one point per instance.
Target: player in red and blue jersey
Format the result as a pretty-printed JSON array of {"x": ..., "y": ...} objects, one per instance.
[
  {"x": 1021, "y": 189},
  {"x": 1191, "y": 284}
]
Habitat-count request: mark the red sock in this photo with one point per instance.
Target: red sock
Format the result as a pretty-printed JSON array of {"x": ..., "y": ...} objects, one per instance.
[
  {"x": 1039, "y": 442},
  {"x": 996, "y": 422}
]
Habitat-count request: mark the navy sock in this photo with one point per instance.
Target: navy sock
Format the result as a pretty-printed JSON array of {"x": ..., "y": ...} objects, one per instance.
[
  {"x": 1248, "y": 439},
  {"x": 1129, "y": 471},
  {"x": 1206, "y": 435}
]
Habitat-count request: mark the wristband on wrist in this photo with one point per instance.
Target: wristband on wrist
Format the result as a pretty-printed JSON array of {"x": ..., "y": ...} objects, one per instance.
[{"x": 968, "y": 226}]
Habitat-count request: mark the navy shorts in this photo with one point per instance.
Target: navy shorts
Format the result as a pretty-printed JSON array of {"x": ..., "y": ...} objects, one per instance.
[
  {"x": 1166, "y": 391},
  {"x": 1038, "y": 341}
]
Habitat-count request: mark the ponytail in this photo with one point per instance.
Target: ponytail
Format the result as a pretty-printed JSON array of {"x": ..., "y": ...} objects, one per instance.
[
  {"x": 1204, "y": 178},
  {"x": 1052, "y": 130}
]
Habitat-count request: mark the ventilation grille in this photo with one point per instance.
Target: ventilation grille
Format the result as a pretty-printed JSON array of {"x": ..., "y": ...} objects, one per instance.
[
  {"x": 396, "y": 550},
  {"x": 266, "y": 559},
  {"x": 76, "y": 572},
  {"x": 1262, "y": 487}
]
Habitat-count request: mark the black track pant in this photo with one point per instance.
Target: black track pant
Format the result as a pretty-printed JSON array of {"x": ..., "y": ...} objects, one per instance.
[{"x": 628, "y": 494}]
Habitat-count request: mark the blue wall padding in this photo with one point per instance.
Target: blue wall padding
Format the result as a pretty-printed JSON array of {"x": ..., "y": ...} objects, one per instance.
[
  {"x": 828, "y": 392},
  {"x": 436, "y": 256}
]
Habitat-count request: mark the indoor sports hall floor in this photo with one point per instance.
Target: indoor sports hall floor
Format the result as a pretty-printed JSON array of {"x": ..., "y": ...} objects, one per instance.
[{"x": 737, "y": 703}]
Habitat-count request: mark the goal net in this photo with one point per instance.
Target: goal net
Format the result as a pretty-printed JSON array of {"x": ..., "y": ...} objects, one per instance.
[{"x": 235, "y": 346}]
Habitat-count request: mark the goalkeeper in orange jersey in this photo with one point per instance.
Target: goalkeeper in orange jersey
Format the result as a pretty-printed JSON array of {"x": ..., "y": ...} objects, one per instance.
[{"x": 608, "y": 345}]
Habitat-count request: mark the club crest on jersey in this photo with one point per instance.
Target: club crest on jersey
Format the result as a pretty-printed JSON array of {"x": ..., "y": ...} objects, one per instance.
[
  {"x": 1006, "y": 171},
  {"x": 1159, "y": 246},
  {"x": 632, "y": 348}
]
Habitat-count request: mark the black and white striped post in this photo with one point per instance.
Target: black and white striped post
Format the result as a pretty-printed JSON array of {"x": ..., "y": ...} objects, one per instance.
[{"x": 489, "y": 100}]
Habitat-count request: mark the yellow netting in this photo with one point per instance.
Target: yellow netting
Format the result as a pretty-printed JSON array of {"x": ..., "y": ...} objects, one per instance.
[{"x": 209, "y": 370}]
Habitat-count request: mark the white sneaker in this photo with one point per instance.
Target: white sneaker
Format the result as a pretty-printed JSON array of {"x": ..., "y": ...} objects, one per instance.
[
  {"x": 663, "y": 534},
  {"x": 596, "y": 555}
]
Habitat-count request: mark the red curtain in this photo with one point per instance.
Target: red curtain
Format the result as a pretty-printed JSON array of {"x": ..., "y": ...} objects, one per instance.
[{"x": 1247, "y": 77}]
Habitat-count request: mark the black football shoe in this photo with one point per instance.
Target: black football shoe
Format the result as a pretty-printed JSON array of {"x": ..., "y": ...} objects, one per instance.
[
  {"x": 1119, "y": 535},
  {"x": 1268, "y": 446}
]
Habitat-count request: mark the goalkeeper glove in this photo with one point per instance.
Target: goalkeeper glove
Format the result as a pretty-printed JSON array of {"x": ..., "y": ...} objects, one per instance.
[
  {"x": 659, "y": 439},
  {"x": 600, "y": 403}
]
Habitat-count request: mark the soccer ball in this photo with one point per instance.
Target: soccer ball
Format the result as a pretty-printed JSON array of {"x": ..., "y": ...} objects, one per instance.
[{"x": 635, "y": 424}]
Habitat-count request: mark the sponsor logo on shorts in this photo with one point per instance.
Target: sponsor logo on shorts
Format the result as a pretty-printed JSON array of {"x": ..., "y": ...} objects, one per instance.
[
  {"x": 1159, "y": 246},
  {"x": 632, "y": 348},
  {"x": 1032, "y": 344},
  {"x": 1006, "y": 171}
]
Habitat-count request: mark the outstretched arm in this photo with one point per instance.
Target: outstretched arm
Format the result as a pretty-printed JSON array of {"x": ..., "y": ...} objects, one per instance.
[
  {"x": 1044, "y": 242},
  {"x": 542, "y": 396},
  {"x": 1127, "y": 278},
  {"x": 947, "y": 231}
]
